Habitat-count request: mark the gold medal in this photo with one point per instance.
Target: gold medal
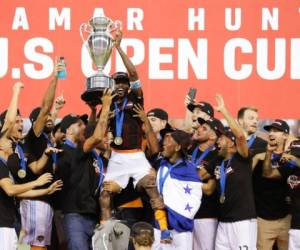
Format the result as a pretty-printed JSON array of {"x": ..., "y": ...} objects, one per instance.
[
  {"x": 21, "y": 173},
  {"x": 222, "y": 198},
  {"x": 118, "y": 140}
]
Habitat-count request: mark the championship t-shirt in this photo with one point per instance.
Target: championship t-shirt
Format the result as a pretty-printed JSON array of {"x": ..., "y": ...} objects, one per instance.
[
  {"x": 34, "y": 147},
  {"x": 132, "y": 134},
  {"x": 80, "y": 192},
  {"x": 239, "y": 198},
  {"x": 292, "y": 177},
  {"x": 209, "y": 203},
  {"x": 270, "y": 194},
  {"x": 7, "y": 204}
]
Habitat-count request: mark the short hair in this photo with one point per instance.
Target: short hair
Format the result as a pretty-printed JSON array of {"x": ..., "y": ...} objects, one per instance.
[
  {"x": 143, "y": 234},
  {"x": 242, "y": 111}
]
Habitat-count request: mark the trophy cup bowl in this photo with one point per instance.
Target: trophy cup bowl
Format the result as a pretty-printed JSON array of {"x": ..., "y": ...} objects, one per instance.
[{"x": 99, "y": 44}]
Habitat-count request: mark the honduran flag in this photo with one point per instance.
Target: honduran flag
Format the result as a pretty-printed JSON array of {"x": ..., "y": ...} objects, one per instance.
[{"x": 182, "y": 193}]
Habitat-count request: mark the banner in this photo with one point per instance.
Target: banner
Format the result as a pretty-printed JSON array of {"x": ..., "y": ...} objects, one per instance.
[{"x": 249, "y": 51}]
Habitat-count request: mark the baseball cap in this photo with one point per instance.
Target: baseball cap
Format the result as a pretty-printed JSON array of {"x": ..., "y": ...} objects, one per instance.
[
  {"x": 214, "y": 124},
  {"x": 228, "y": 133},
  {"x": 158, "y": 113},
  {"x": 70, "y": 119},
  {"x": 278, "y": 124},
  {"x": 167, "y": 129},
  {"x": 203, "y": 106},
  {"x": 34, "y": 114},
  {"x": 294, "y": 148},
  {"x": 120, "y": 77}
]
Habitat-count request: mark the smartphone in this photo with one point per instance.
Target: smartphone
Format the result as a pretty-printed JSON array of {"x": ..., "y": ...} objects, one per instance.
[{"x": 192, "y": 93}]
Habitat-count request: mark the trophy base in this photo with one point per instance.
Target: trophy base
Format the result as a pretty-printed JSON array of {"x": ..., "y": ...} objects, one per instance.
[{"x": 95, "y": 85}]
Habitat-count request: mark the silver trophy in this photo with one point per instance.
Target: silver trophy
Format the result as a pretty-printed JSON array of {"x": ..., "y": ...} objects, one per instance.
[{"x": 99, "y": 43}]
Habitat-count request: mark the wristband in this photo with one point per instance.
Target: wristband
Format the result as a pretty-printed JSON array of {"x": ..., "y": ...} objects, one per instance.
[{"x": 135, "y": 85}]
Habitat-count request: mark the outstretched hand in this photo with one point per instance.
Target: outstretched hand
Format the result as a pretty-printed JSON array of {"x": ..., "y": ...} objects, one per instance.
[
  {"x": 140, "y": 112},
  {"x": 118, "y": 37},
  {"x": 107, "y": 96},
  {"x": 18, "y": 86},
  {"x": 220, "y": 103},
  {"x": 59, "y": 102},
  {"x": 56, "y": 186}
]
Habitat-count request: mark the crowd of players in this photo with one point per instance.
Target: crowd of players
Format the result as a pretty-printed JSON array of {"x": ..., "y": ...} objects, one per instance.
[{"x": 205, "y": 186}]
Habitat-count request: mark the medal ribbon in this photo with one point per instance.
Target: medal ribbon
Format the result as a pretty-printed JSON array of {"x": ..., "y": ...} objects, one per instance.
[
  {"x": 119, "y": 113},
  {"x": 70, "y": 144},
  {"x": 163, "y": 177},
  {"x": 195, "y": 161},
  {"x": 50, "y": 144},
  {"x": 100, "y": 166},
  {"x": 223, "y": 176},
  {"x": 21, "y": 156}
]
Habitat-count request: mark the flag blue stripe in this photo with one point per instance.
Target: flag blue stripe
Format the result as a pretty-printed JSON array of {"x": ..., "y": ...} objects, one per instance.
[{"x": 179, "y": 222}]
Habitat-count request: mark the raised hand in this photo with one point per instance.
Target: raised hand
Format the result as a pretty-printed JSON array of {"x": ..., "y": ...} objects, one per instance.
[
  {"x": 188, "y": 100},
  {"x": 118, "y": 37},
  {"x": 59, "y": 102},
  {"x": 272, "y": 144},
  {"x": 58, "y": 67},
  {"x": 220, "y": 103},
  {"x": 140, "y": 112},
  {"x": 107, "y": 97},
  {"x": 18, "y": 86}
]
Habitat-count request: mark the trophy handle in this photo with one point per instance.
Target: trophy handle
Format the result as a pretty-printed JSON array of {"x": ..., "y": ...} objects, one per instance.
[{"x": 84, "y": 28}]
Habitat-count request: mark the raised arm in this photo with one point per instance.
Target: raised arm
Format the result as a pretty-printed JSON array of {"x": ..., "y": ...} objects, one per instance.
[
  {"x": 12, "y": 110},
  {"x": 150, "y": 135},
  {"x": 133, "y": 75},
  {"x": 101, "y": 126},
  {"x": 241, "y": 141},
  {"x": 58, "y": 105},
  {"x": 268, "y": 171},
  {"x": 47, "y": 102}
]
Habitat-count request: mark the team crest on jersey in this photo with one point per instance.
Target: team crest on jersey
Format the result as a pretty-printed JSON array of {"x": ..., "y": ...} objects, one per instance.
[
  {"x": 294, "y": 181},
  {"x": 217, "y": 171}
]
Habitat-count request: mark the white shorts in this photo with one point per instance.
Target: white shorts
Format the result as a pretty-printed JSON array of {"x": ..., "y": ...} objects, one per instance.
[
  {"x": 240, "y": 235},
  {"x": 122, "y": 166},
  {"x": 8, "y": 238},
  {"x": 181, "y": 241},
  {"x": 294, "y": 239},
  {"x": 204, "y": 234},
  {"x": 36, "y": 222}
]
